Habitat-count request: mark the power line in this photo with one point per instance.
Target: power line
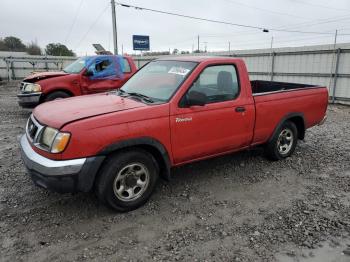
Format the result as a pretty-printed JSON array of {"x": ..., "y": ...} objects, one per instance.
[
  {"x": 91, "y": 26},
  {"x": 284, "y": 40},
  {"x": 266, "y": 10},
  {"x": 264, "y": 29},
  {"x": 276, "y": 40},
  {"x": 249, "y": 42},
  {"x": 318, "y": 5},
  {"x": 303, "y": 24},
  {"x": 74, "y": 21},
  {"x": 321, "y": 21},
  {"x": 191, "y": 17}
]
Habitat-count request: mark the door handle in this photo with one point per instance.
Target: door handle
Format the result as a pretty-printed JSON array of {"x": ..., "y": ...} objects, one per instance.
[{"x": 240, "y": 109}]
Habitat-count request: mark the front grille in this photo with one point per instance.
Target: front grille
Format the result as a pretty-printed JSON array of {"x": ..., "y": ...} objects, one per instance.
[
  {"x": 21, "y": 86},
  {"x": 33, "y": 129}
]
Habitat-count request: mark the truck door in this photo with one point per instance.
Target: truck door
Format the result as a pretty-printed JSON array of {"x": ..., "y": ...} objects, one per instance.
[
  {"x": 101, "y": 76},
  {"x": 224, "y": 123}
]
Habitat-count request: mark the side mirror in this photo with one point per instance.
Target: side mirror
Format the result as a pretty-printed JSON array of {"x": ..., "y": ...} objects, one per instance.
[
  {"x": 195, "y": 98},
  {"x": 88, "y": 73}
]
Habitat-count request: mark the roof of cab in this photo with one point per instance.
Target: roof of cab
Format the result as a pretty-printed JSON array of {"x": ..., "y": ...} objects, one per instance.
[{"x": 197, "y": 58}]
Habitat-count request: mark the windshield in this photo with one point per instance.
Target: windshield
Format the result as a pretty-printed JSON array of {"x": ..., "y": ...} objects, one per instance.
[
  {"x": 159, "y": 80},
  {"x": 76, "y": 66}
]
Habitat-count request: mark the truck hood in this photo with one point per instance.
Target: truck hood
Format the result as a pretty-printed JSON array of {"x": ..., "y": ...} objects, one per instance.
[
  {"x": 44, "y": 75},
  {"x": 61, "y": 112}
]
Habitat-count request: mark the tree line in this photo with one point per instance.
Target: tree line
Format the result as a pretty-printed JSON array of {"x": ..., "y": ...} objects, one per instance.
[{"x": 14, "y": 44}]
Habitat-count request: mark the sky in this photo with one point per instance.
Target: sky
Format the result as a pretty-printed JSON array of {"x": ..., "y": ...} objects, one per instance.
[{"x": 80, "y": 23}]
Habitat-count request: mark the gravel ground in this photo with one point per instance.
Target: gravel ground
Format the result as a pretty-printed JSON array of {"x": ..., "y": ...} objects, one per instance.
[{"x": 239, "y": 207}]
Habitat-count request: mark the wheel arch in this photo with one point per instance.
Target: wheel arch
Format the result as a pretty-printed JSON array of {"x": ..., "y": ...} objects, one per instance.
[
  {"x": 296, "y": 118},
  {"x": 148, "y": 144},
  {"x": 61, "y": 89}
]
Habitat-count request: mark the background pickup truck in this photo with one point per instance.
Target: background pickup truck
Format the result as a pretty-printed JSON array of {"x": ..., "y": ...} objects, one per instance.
[
  {"x": 171, "y": 112},
  {"x": 87, "y": 75}
]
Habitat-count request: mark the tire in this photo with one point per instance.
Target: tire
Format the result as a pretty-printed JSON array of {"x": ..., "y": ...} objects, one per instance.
[
  {"x": 56, "y": 95},
  {"x": 283, "y": 143},
  {"x": 119, "y": 186}
]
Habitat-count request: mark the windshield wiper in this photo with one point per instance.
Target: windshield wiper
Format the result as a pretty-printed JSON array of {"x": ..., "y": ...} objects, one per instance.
[
  {"x": 143, "y": 97},
  {"x": 123, "y": 93}
]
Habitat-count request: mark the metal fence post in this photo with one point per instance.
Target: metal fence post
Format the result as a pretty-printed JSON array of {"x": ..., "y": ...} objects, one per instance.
[
  {"x": 273, "y": 54},
  {"x": 8, "y": 70},
  {"x": 33, "y": 65},
  {"x": 13, "y": 75},
  {"x": 335, "y": 74},
  {"x": 46, "y": 64}
]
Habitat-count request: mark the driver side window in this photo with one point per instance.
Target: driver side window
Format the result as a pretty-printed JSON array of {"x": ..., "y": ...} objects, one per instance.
[
  {"x": 99, "y": 66},
  {"x": 219, "y": 83},
  {"x": 102, "y": 68}
]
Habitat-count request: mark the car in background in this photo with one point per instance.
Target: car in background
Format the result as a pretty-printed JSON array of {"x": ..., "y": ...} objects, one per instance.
[{"x": 87, "y": 75}]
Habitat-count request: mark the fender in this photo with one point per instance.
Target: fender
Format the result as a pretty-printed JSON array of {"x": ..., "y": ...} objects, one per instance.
[
  {"x": 62, "y": 89},
  {"x": 158, "y": 151},
  {"x": 301, "y": 133}
]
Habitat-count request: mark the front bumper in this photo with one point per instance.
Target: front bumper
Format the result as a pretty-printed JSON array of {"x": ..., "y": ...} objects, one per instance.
[
  {"x": 29, "y": 100},
  {"x": 63, "y": 176}
]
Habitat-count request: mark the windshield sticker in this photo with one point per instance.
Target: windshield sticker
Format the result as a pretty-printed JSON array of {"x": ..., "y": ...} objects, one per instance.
[{"x": 179, "y": 70}]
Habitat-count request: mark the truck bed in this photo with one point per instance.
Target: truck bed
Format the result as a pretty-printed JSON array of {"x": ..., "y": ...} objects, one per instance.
[
  {"x": 262, "y": 87},
  {"x": 276, "y": 100}
]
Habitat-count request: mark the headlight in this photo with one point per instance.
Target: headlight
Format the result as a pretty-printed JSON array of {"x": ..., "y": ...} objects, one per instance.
[
  {"x": 48, "y": 136},
  {"x": 54, "y": 140},
  {"x": 31, "y": 88},
  {"x": 60, "y": 142}
]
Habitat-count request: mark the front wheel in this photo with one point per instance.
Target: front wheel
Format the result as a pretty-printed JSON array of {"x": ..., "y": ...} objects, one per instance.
[
  {"x": 127, "y": 180},
  {"x": 56, "y": 95},
  {"x": 283, "y": 143}
]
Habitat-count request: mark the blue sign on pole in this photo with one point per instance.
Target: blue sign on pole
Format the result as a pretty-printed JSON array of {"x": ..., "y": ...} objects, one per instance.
[{"x": 140, "y": 42}]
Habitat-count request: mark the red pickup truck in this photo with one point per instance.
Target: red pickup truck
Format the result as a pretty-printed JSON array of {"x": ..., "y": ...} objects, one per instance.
[
  {"x": 171, "y": 112},
  {"x": 87, "y": 75}
]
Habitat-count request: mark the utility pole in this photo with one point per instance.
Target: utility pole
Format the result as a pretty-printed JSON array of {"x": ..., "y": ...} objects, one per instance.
[
  {"x": 122, "y": 49},
  {"x": 335, "y": 39},
  {"x": 114, "y": 23},
  {"x": 272, "y": 59},
  {"x": 271, "y": 44},
  {"x": 198, "y": 43},
  {"x": 333, "y": 58},
  {"x": 229, "y": 48},
  {"x": 205, "y": 46}
]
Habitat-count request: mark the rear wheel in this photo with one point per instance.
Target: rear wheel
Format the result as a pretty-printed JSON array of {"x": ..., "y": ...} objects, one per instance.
[
  {"x": 127, "y": 180},
  {"x": 56, "y": 95},
  {"x": 283, "y": 143}
]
